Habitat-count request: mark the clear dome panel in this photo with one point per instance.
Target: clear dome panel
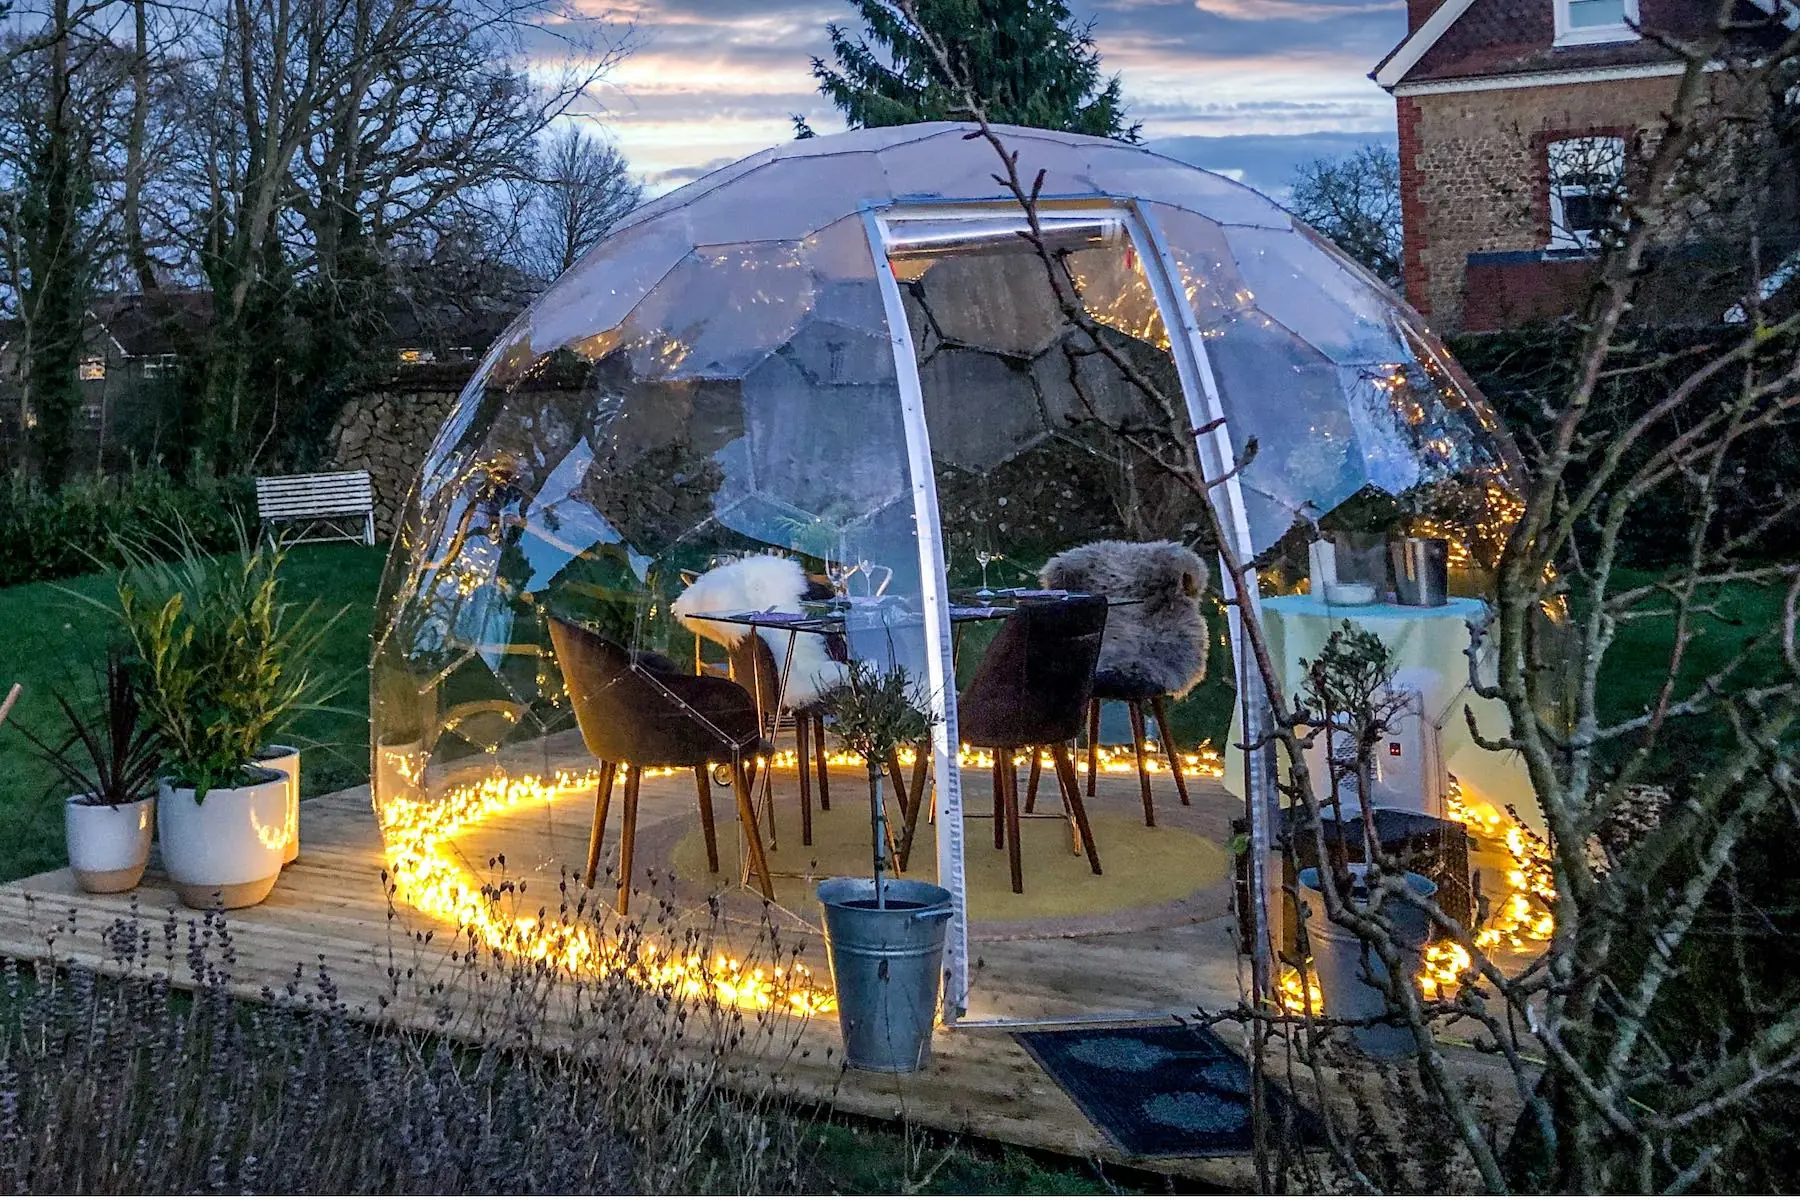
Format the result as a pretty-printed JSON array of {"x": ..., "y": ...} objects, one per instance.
[
  {"x": 1359, "y": 419},
  {"x": 727, "y": 415},
  {"x": 1295, "y": 281}
]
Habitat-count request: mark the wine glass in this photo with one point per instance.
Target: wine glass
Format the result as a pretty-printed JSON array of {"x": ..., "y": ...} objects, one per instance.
[
  {"x": 984, "y": 557},
  {"x": 839, "y": 572}
]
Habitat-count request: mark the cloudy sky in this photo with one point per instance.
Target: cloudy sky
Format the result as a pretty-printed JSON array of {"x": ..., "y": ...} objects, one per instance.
[{"x": 1250, "y": 87}]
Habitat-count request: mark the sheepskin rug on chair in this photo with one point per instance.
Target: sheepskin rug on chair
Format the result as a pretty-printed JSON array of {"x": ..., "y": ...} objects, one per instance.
[
  {"x": 755, "y": 584},
  {"x": 1156, "y": 646}
]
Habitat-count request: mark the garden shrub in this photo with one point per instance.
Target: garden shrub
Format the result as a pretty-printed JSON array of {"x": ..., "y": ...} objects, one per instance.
[
  {"x": 1519, "y": 369},
  {"x": 72, "y": 531}
]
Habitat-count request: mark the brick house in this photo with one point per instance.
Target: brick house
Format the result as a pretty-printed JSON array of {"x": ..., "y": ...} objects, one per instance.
[{"x": 1516, "y": 119}]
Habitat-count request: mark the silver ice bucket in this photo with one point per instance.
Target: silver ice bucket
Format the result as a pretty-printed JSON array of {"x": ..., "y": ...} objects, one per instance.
[{"x": 1421, "y": 571}]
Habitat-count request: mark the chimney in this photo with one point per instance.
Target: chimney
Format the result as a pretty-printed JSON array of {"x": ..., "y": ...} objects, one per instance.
[{"x": 1417, "y": 11}]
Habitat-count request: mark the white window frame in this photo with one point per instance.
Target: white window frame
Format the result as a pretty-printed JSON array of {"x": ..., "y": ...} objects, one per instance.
[
  {"x": 1561, "y": 236},
  {"x": 1592, "y": 35}
]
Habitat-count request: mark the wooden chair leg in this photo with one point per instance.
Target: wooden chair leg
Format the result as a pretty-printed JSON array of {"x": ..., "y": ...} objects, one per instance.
[
  {"x": 602, "y": 800},
  {"x": 999, "y": 806},
  {"x": 759, "y": 862},
  {"x": 1065, "y": 774},
  {"x": 766, "y": 789},
  {"x": 914, "y": 801},
  {"x": 1138, "y": 736},
  {"x": 1037, "y": 769},
  {"x": 897, "y": 781},
  {"x": 1093, "y": 763},
  {"x": 1170, "y": 751},
  {"x": 803, "y": 759},
  {"x": 1014, "y": 857},
  {"x": 821, "y": 756},
  {"x": 703, "y": 789},
  {"x": 628, "y": 835}
]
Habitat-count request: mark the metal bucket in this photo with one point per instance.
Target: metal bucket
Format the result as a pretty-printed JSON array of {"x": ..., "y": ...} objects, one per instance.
[
  {"x": 1421, "y": 571},
  {"x": 1345, "y": 971},
  {"x": 887, "y": 968}
]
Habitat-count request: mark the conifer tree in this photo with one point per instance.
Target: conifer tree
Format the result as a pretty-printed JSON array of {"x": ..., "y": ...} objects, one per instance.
[{"x": 1030, "y": 61}]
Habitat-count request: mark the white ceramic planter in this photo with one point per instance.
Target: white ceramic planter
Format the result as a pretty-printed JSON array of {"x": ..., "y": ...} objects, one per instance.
[
  {"x": 226, "y": 850},
  {"x": 108, "y": 844},
  {"x": 286, "y": 759}
]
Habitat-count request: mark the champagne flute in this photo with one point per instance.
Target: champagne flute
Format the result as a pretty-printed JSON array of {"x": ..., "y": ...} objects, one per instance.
[{"x": 984, "y": 557}]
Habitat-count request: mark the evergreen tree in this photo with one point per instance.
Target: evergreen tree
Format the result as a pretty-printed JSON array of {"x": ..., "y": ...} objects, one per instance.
[{"x": 1031, "y": 62}]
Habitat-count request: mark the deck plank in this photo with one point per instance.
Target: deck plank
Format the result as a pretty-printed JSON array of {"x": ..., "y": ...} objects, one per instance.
[{"x": 330, "y": 908}]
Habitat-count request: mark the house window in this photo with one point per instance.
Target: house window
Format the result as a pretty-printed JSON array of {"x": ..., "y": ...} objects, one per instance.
[
  {"x": 1587, "y": 22},
  {"x": 93, "y": 368},
  {"x": 93, "y": 412},
  {"x": 158, "y": 364},
  {"x": 412, "y": 356},
  {"x": 1586, "y": 179}
]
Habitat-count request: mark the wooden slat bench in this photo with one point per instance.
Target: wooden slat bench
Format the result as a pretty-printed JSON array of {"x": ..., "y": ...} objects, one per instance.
[{"x": 336, "y": 506}]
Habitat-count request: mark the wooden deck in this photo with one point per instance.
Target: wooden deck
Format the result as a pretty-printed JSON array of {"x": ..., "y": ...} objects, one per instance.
[{"x": 1166, "y": 957}]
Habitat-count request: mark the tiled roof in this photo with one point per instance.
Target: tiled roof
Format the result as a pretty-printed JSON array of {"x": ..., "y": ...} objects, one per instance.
[{"x": 1516, "y": 37}]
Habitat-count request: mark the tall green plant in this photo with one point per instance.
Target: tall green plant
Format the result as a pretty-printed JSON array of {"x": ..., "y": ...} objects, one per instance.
[{"x": 225, "y": 662}]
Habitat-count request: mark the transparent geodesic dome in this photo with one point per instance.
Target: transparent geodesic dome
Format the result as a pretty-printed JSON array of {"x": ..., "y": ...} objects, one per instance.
[{"x": 841, "y": 351}]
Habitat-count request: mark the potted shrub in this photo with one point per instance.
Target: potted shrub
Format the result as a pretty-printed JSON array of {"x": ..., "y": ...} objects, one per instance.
[
  {"x": 225, "y": 662},
  {"x": 109, "y": 761},
  {"x": 884, "y": 937}
]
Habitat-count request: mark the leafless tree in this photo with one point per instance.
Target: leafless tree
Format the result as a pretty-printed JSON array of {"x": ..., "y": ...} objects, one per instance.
[
  {"x": 1355, "y": 201},
  {"x": 581, "y": 188},
  {"x": 1619, "y": 1084},
  {"x": 331, "y": 133}
]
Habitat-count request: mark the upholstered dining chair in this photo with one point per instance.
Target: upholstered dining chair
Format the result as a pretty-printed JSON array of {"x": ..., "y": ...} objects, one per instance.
[
  {"x": 762, "y": 582},
  {"x": 1155, "y": 645},
  {"x": 1029, "y": 693},
  {"x": 640, "y": 710}
]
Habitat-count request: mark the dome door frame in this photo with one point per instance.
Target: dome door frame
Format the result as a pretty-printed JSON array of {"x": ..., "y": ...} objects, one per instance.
[{"x": 1078, "y": 217}]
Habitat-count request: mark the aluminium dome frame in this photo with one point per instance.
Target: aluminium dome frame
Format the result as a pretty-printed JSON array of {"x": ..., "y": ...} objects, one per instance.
[{"x": 885, "y": 228}]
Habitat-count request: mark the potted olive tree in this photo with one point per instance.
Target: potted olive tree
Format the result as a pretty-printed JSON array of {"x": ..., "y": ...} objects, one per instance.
[
  {"x": 108, "y": 760},
  {"x": 884, "y": 936},
  {"x": 225, "y": 662}
]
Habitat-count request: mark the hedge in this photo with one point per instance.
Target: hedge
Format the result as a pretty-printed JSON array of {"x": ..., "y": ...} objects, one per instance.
[{"x": 72, "y": 531}]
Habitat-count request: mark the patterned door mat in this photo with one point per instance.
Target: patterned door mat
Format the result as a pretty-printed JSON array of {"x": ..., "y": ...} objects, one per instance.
[{"x": 1160, "y": 1091}]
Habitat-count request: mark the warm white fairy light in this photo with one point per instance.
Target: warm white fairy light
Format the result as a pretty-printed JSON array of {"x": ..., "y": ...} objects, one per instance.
[{"x": 428, "y": 875}]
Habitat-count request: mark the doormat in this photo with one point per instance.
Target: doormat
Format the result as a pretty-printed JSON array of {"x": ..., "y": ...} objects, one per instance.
[{"x": 1161, "y": 1091}]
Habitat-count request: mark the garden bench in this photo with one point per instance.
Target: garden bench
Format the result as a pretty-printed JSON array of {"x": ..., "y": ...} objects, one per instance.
[{"x": 335, "y": 506}]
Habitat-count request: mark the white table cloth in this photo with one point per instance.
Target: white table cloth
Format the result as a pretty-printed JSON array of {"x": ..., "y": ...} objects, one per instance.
[{"x": 1430, "y": 648}]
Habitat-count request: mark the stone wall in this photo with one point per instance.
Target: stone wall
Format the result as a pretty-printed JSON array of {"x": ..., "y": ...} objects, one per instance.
[
  {"x": 387, "y": 433},
  {"x": 1474, "y": 172}
]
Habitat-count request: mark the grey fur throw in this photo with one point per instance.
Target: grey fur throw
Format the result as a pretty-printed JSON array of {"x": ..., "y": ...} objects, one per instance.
[{"x": 1150, "y": 648}]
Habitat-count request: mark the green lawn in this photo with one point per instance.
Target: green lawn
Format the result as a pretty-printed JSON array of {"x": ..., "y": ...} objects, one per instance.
[{"x": 54, "y": 639}]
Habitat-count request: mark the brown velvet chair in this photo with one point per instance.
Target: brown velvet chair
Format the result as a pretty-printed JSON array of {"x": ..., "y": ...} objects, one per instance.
[
  {"x": 1029, "y": 693},
  {"x": 640, "y": 710}
]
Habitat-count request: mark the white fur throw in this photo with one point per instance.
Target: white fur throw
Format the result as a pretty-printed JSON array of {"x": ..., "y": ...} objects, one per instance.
[
  {"x": 755, "y": 584},
  {"x": 1156, "y": 646}
]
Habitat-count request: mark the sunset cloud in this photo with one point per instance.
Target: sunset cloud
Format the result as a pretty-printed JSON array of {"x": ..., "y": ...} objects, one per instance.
[{"x": 712, "y": 80}]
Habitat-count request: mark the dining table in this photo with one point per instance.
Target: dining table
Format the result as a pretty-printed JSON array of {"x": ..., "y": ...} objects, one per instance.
[{"x": 885, "y": 630}]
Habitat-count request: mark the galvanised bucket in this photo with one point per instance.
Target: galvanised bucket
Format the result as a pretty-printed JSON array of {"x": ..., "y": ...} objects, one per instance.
[
  {"x": 887, "y": 968},
  {"x": 1350, "y": 974}
]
